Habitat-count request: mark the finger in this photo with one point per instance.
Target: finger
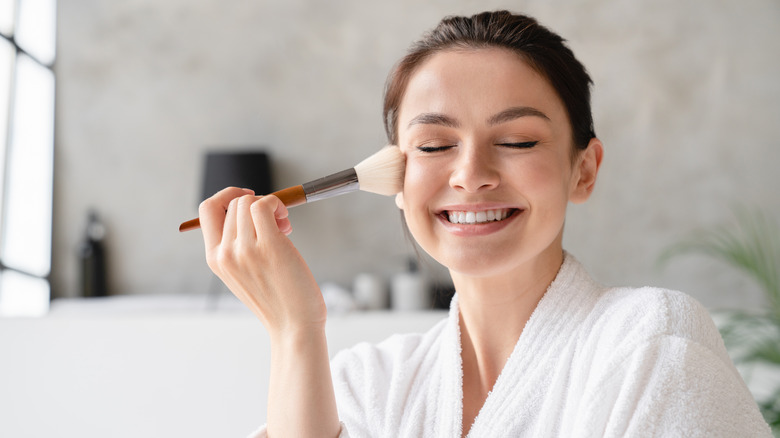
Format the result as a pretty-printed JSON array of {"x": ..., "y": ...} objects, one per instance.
[
  {"x": 212, "y": 214},
  {"x": 245, "y": 227},
  {"x": 284, "y": 226},
  {"x": 282, "y": 219},
  {"x": 266, "y": 212},
  {"x": 229, "y": 231}
]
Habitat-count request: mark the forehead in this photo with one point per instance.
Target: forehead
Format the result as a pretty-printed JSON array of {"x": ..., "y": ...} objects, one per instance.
[{"x": 476, "y": 83}]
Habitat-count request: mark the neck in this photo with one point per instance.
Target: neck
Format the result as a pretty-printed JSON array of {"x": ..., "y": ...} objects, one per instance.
[{"x": 494, "y": 312}]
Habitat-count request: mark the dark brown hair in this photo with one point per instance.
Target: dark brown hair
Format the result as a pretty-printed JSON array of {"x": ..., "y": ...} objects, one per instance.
[{"x": 542, "y": 49}]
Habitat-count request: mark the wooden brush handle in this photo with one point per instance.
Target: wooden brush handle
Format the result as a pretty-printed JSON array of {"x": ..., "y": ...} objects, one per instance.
[{"x": 290, "y": 197}]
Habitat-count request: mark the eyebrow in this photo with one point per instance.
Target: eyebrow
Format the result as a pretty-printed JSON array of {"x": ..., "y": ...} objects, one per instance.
[
  {"x": 516, "y": 112},
  {"x": 434, "y": 119},
  {"x": 504, "y": 116}
]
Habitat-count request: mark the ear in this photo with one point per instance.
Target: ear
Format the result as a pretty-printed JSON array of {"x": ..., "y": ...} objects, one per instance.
[
  {"x": 586, "y": 171},
  {"x": 399, "y": 200}
]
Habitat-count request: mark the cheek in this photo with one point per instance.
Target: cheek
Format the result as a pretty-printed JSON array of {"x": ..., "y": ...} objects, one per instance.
[
  {"x": 546, "y": 180},
  {"x": 421, "y": 184},
  {"x": 419, "y": 181}
]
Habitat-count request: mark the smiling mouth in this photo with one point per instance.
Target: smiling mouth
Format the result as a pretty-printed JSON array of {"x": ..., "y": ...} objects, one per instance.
[{"x": 479, "y": 217}]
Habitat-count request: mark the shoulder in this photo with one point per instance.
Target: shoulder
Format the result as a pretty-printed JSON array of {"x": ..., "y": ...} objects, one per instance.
[
  {"x": 656, "y": 355},
  {"x": 645, "y": 312},
  {"x": 379, "y": 361},
  {"x": 367, "y": 376},
  {"x": 634, "y": 316}
]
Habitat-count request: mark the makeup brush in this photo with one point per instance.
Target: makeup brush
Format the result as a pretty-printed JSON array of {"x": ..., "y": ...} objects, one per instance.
[{"x": 381, "y": 173}]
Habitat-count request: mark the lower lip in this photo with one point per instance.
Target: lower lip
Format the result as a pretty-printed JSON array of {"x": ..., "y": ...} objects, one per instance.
[{"x": 483, "y": 229}]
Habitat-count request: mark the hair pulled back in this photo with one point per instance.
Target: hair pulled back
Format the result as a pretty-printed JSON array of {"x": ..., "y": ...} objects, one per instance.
[{"x": 544, "y": 50}]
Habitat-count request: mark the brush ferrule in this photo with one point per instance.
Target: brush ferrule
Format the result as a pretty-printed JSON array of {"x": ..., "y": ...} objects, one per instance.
[{"x": 332, "y": 185}]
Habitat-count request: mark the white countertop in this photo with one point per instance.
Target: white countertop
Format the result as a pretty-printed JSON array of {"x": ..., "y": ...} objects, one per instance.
[{"x": 162, "y": 366}]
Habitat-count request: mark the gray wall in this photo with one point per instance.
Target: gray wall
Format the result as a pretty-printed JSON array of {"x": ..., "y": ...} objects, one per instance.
[{"x": 686, "y": 100}]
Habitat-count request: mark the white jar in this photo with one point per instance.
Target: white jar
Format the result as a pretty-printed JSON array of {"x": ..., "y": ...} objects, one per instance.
[
  {"x": 370, "y": 292},
  {"x": 409, "y": 290}
]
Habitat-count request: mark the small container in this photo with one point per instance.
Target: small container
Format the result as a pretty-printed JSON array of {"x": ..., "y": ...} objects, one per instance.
[
  {"x": 92, "y": 257},
  {"x": 370, "y": 292},
  {"x": 409, "y": 290}
]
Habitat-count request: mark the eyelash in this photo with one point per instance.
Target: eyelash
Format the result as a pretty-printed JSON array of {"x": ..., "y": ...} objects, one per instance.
[
  {"x": 430, "y": 149},
  {"x": 518, "y": 145}
]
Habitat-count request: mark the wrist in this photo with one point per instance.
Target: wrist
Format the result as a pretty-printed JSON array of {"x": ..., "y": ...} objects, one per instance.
[{"x": 298, "y": 339}]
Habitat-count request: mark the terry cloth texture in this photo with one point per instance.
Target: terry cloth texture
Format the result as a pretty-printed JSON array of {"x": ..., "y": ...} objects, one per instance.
[{"x": 591, "y": 362}]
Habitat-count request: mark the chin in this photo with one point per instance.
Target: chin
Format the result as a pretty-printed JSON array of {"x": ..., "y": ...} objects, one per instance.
[
  {"x": 510, "y": 258},
  {"x": 479, "y": 266}
]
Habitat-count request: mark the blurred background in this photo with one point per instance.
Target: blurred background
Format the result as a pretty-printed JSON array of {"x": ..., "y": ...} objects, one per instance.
[
  {"x": 686, "y": 100},
  {"x": 111, "y": 108}
]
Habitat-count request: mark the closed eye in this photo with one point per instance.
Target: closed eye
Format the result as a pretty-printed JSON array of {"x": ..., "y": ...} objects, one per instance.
[
  {"x": 519, "y": 145},
  {"x": 430, "y": 149}
]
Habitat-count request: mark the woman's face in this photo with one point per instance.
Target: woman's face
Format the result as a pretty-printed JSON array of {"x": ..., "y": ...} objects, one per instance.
[{"x": 489, "y": 167}]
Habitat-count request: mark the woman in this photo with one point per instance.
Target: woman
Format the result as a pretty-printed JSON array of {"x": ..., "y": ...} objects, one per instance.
[{"x": 493, "y": 115}]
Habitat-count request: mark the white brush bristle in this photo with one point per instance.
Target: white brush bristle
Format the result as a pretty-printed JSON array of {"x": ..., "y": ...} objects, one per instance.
[{"x": 383, "y": 172}]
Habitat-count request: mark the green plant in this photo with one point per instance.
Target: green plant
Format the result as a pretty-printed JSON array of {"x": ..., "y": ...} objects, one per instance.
[{"x": 750, "y": 244}]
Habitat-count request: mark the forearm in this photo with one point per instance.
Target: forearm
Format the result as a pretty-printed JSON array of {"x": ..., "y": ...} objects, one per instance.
[
  {"x": 247, "y": 247},
  {"x": 301, "y": 401}
]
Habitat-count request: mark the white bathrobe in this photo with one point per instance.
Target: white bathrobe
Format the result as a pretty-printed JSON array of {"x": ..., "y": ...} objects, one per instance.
[{"x": 591, "y": 362}]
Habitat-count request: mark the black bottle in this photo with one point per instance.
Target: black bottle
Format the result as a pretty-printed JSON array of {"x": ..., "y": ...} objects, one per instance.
[{"x": 93, "y": 259}]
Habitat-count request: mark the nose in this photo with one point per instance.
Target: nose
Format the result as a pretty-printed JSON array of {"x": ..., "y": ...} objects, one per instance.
[{"x": 474, "y": 170}]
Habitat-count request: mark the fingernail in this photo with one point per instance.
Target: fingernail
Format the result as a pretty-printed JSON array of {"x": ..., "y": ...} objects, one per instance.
[{"x": 249, "y": 191}]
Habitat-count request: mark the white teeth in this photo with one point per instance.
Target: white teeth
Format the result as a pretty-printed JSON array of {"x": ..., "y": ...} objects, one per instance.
[{"x": 477, "y": 217}]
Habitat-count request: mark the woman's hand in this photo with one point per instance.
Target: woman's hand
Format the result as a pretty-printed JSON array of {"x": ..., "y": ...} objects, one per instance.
[{"x": 247, "y": 247}]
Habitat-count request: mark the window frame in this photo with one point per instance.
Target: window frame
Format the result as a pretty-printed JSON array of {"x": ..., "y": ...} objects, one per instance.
[{"x": 10, "y": 304}]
